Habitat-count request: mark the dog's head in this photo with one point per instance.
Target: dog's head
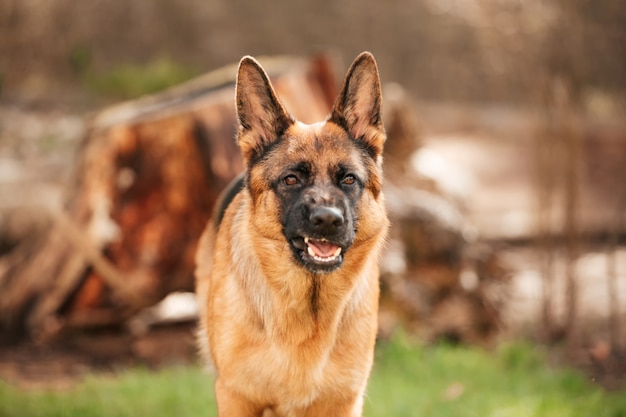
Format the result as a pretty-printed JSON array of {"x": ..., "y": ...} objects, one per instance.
[{"x": 314, "y": 187}]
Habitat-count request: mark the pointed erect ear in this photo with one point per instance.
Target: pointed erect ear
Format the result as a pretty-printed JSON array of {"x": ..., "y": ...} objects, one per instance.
[
  {"x": 262, "y": 118},
  {"x": 359, "y": 105}
]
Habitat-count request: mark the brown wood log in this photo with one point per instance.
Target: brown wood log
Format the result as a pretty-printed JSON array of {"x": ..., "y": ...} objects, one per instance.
[{"x": 148, "y": 174}]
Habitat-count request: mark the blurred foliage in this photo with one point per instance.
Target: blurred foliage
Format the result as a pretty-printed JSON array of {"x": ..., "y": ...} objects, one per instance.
[
  {"x": 483, "y": 50},
  {"x": 131, "y": 81},
  {"x": 80, "y": 58},
  {"x": 408, "y": 380}
]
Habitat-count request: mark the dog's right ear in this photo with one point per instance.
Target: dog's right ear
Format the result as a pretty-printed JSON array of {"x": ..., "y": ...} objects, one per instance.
[{"x": 262, "y": 118}]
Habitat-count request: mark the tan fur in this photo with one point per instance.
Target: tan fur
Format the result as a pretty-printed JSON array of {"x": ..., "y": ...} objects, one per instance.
[{"x": 282, "y": 338}]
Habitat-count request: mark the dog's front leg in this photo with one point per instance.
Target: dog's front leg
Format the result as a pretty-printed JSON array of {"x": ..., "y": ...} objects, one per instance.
[
  {"x": 233, "y": 404},
  {"x": 345, "y": 406}
]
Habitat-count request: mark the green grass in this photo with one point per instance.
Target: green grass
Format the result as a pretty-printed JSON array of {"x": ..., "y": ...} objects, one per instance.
[
  {"x": 408, "y": 380},
  {"x": 513, "y": 381},
  {"x": 172, "y": 392}
]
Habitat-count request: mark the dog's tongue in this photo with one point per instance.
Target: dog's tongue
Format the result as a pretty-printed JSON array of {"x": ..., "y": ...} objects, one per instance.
[{"x": 322, "y": 249}]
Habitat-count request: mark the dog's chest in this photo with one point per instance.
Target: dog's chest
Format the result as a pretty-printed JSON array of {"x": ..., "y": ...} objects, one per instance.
[{"x": 296, "y": 376}]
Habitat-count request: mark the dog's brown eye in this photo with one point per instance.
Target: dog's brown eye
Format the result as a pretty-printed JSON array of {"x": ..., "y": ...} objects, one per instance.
[
  {"x": 348, "y": 180},
  {"x": 290, "y": 180}
]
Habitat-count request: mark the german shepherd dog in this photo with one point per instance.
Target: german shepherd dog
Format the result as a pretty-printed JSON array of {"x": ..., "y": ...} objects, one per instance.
[{"x": 287, "y": 274}]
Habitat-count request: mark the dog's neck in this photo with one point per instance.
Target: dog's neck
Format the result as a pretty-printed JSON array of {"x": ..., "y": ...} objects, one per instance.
[{"x": 293, "y": 310}]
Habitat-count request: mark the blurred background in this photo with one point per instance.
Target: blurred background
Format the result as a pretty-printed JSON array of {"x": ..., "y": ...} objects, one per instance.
[
  {"x": 467, "y": 51},
  {"x": 505, "y": 167}
]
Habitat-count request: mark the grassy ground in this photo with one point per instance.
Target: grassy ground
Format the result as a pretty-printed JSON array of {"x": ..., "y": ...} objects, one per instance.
[{"x": 408, "y": 380}]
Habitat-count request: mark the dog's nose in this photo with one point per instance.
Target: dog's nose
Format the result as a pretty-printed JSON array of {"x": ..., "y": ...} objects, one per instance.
[{"x": 326, "y": 218}]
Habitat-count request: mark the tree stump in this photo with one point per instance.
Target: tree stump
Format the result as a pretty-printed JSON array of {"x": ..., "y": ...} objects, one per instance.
[{"x": 148, "y": 174}]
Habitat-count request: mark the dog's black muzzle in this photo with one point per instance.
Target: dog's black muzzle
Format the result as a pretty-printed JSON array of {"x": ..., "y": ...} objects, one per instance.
[{"x": 320, "y": 234}]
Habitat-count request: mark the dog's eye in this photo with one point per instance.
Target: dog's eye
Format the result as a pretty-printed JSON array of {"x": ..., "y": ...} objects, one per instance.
[
  {"x": 348, "y": 180},
  {"x": 290, "y": 180}
]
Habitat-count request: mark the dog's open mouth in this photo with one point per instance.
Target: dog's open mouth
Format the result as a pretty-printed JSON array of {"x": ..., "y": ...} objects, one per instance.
[
  {"x": 318, "y": 254},
  {"x": 322, "y": 250}
]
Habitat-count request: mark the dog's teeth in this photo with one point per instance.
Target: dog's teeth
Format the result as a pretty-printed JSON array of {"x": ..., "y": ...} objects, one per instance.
[
  {"x": 306, "y": 240},
  {"x": 337, "y": 252},
  {"x": 311, "y": 252},
  {"x": 319, "y": 259}
]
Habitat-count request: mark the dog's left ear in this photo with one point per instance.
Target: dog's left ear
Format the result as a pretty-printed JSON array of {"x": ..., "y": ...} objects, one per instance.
[
  {"x": 262, "y": 118},
  {"x": 359, "y": 105}
]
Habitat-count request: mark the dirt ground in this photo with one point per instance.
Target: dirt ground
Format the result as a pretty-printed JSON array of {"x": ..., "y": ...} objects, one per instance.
[
  {"x": 476, "y": 155},
  {"x": 61, "y": 364}
]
